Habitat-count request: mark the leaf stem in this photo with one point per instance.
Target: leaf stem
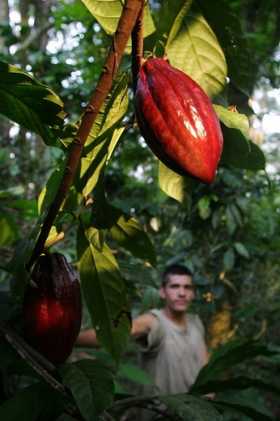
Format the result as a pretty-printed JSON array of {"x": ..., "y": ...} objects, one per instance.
[{"x": 126, "y": 23}]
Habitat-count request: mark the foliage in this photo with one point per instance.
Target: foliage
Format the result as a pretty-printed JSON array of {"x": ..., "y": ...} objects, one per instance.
[{"x": 119, "y": 228}]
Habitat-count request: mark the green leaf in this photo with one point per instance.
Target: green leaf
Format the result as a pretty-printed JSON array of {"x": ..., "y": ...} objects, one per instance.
[
  {"x": 8, "y": 230},
  {"x": 233, "y": 120},
  {"x": 104, "y": 291},
  {"x": 232, "y": 40},
  {"x": 108, "y": 12},
  {"x": 228, "y": 260},
  {"x": 204, "y": 207},
  {"x": 29, "y": 103},
  {"x": 28, "y": 208},
  {"x": 241, "y": 249},
  {"x": 230, "y": 220},
  {"x": 241, "y": 153},
  {"x": 193, "y": 47},
  {"x": 125, "y": 230},
  {"x": 171, "y": 183},
  {"x": 92, "y": 165},
  {"x": 227, "y": 356},
  {"x": 243, "y": 408},
  {"x": 129, "y": 233},
  {"x": 135, "y": 374},
  {"x": 49, "y": 191},
  {"x": 238, "y": 150},
  {"x": 189, "y": 407},
  {"x": 92, "y": 385},
  {"x": 104, "y": 136}
]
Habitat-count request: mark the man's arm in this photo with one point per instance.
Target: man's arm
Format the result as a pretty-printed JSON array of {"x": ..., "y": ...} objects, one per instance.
[{"x": 141, "y": 326}]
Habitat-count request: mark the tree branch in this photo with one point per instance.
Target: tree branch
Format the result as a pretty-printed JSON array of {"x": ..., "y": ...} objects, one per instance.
[
  {"x": 40, "y": 365},
  {"x": 137, "y": 46},
  {"x": 125, "y": 26}
]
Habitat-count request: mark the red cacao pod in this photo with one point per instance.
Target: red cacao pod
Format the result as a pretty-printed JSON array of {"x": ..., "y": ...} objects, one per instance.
[
  {"x": 52, "y": 308},
  {"x": 177, "y": 120}
]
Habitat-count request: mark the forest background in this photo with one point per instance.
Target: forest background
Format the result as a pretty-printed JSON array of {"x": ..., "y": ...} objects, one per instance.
[{"x": 145, "y": 216}]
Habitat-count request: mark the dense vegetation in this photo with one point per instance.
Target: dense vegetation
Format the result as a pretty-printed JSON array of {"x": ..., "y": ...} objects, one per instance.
[{"x": 126, "y": 216}]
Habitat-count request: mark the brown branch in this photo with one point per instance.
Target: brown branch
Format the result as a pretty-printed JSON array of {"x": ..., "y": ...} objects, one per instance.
[
  {"x": 125, "y": 26},
  {"x": 137, "y": 46}
]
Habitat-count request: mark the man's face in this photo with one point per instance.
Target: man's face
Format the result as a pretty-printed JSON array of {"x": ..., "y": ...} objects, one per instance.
[{"x": 178, "y": 292}]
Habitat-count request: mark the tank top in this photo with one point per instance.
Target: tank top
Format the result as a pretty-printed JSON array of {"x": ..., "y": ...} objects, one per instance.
[{"x": 173, "y": 355}]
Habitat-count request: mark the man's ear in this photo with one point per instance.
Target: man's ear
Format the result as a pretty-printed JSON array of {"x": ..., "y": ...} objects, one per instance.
[{"x": 162, "y": 293}]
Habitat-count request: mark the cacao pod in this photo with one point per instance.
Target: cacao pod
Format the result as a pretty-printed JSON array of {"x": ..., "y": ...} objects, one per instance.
[
  {"x": 52, "y": 308},
  {"x": 177, "y": 120}
]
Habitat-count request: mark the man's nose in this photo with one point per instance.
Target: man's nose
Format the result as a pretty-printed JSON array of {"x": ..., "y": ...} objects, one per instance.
[{"x": 182, "y": 292}]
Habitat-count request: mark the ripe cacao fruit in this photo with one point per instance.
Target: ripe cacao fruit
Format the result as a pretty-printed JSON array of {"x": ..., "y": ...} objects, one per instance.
[
  {"x": 177, "y": 120},
  {"x": 52, "y": 308}
]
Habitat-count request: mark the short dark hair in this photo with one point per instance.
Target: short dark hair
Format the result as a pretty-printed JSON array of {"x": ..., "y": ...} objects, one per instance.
[{"x": 175, "y": 269}]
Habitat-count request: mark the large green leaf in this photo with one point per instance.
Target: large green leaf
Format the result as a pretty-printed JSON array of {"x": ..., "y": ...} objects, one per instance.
[
  {"x": 191, "y": 408},
  {"x": 238, "y": 383},
  {"x": 93, "y": 164},
  {"x": 91, "y": 384},
  {"x": 125, "y": 230},
  {"x": 108, "y": 12},
  {"x": 167, "y": 14},
  {"x": 228, "y": 356},
  {"x": 29, "y": 103},
  {"x": 241, "y": 153},
  {"x": 193, "y": 47},
  {"x": 238, "y": 150},
  {"x": 104, "y": 291},
  {"x": 103, "y": 136}
]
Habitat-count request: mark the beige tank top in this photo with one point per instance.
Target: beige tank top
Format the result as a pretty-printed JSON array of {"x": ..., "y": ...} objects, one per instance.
[{"x": 173, "y": 356}]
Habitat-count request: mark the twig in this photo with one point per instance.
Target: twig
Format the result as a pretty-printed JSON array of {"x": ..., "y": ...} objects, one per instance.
[
  {"x": 40, "y": 365},
  {"x": 125, "y": 26},
  {"x": 137, "y": 46}
]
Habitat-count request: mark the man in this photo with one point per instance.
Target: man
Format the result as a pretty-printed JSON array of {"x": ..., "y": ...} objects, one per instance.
[{"x": 173, "y": 348}]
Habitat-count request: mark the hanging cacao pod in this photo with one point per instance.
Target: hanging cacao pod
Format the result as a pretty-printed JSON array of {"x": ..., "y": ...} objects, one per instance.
[
  {"x": 52, "y": 308},
  {"x": 177, "y": 120}
]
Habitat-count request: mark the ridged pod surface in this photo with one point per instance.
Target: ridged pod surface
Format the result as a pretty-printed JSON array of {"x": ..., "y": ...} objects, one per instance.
[
  {"x": 52, "y": 308},
  {"x": 177, "y": 120}
]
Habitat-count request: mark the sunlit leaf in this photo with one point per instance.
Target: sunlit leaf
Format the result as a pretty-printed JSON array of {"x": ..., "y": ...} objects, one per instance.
[
  {"x": 93, "y": 163},
  {"x": 233, "y": 119},
  {"x": 238, "y": 150},
  {"x": 193, "y": 47},
  {"x": 103, "y": 136},
  {"x": 108, "y": 12},
  {"x": 104, "y": 291},
  {"x": 171, "y": 183}
]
